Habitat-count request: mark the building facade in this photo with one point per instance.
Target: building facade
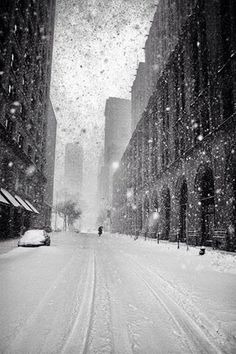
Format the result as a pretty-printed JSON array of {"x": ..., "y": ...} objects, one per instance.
[
  {"x": 50, "y": 161},
  {"x": 166, "y": 26},
  {"x": 73, "y": 175},
  {"x": 177, "y": 177},
  {"x": 139, "y": 95},
  {"x": 26, "y": 41},
  {"x": 117, "y": 135}
]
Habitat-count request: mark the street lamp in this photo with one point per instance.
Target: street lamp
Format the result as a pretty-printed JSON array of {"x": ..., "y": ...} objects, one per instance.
[{"x": 115, "y": 165}]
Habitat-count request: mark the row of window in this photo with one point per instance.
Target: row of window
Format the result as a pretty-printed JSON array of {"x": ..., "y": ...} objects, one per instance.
[{"x": 22, "y": 142}]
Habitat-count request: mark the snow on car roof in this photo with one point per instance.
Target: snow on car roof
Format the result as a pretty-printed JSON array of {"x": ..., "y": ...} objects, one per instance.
[
  {"x": 33, "y": 235},
  {"x": 34, "y": 232}
]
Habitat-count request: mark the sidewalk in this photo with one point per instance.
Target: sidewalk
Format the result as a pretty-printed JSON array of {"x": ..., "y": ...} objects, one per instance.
[{"x": 7, "y": 245}]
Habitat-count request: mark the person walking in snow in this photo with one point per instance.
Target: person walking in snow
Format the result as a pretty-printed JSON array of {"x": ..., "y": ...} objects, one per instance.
[{"x": 100, "y": 229}]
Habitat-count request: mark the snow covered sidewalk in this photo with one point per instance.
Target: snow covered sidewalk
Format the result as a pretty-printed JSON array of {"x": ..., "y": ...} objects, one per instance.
[{"x": 203, "y": 286}]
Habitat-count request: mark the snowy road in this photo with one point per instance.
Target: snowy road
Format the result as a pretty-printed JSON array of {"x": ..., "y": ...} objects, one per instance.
[{"x": 86, "y": 294}]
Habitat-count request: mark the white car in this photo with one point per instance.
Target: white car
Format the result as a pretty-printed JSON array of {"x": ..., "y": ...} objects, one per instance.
[{"x": 33, "y": 238}]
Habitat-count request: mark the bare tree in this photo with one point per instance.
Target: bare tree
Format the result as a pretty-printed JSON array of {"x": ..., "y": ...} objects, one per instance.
[{"x": 69, "y": 211}]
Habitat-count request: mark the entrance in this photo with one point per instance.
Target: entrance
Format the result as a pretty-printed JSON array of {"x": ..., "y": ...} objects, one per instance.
[
  {"x": 4, "y": 221},
  {"x": 167, "y": 211},
  {"x": 183, "y": 211},
  {"x": 206, "y": 189}
]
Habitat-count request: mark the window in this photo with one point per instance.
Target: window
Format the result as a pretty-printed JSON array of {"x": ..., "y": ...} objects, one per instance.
[
  {"x": 4, "y": 26},
  {"x": 10, "y": 126},
  {"x": 195, "y": 58},
  {"x": 205, "y": 119},
  {"x": 21, "y": 141},
  {"x": 196, "y": 129},
  {"x": 38, "y": 138},
  {"x": 176, "y": 138},
  {"x": 203, "y": 51},
  {"x": 15, "y": 64},
  {"x": 36, "y": 159},
  {"x": 226, "y": 28},
  {"x": 30, "y": 151},
  {"x": 12, "y": 92},
  {"x": 227, "y": 100}
]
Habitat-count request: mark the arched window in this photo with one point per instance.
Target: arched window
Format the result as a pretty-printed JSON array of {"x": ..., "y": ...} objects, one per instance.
[
  {"x": 205, "y": 187},
  {"x": 183, "y": 210},
  {"x": 167, "y": 213}
]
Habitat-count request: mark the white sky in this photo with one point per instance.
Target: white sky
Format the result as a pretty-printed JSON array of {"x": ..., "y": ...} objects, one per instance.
[{"x": 97, "y": 45}]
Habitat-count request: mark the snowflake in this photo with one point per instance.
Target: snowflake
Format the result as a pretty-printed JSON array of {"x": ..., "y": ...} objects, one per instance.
[{"x": 200, "y": 137}]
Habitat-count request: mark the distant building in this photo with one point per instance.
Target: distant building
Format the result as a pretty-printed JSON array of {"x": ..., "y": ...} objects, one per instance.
[
  {"x": 26, "y": 41},
  {"x": 50, "y": 161},
  {"x": 177, "y": 177},
  {"x": 117, "y": 135},
  {"x": 73, "y": 175},
  {"x": 100, "y": 180}
]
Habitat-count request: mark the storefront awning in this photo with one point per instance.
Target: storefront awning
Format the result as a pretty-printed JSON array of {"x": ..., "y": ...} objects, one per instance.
[
  {"x": 32, "y": 207},
  {"x": 3, "y": 200},
  {"x": 23, "y": 203},
  {"x": 10, "y": 197}
]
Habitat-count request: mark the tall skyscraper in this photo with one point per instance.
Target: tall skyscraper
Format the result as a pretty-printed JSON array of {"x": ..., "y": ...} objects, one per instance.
[
  {"x": 73, "y": 171},
  {"x": 117, "y": 135},
  {"x": 26, "y": 43}
]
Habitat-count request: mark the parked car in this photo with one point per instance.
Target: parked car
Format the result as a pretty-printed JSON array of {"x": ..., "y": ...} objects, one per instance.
[{"x": 34, "y": 238}]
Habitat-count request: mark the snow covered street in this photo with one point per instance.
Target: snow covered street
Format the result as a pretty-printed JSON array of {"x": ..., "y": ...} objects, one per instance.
[{"x": 85, "y": 294}]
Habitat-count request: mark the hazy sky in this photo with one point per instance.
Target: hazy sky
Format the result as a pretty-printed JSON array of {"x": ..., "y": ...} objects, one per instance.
[{"x": 97, "y": 46}]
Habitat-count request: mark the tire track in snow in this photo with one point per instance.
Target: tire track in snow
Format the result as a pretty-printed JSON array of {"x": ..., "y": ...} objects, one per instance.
[
  {"x": 197, "y": 340},
  {"x": 100, "y": 338},
  {"x": 77, "y": 340},
  {"x": 19, "y": 339}
]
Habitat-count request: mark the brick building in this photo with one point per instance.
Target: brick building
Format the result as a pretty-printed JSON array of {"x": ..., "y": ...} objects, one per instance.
[
  {"x": 26, "y": 41},
  {"x": 178, "y": 174}
]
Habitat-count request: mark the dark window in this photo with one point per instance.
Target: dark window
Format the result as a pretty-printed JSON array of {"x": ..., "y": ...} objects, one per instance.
[
  {"x": 195, "y": 59},
  {"x": 21, "y": 142},
  {"x": 30, "y": 151},
  {"x": 182, "y": 79},
  {"x": 4, "y": 26},
  {"x": 23, "y": 5},
  {"x": 226, "y": 28},
  {"x": 176, "y": 137},
  {"x": 36, "y": 159},
  {"x": 205, "y": 120},
  {"x": 182, "y": 139},
  {"x": 196, "y": 129},
  {"x": 15, "y": 64},
  {"x": 203, "y": 51},
  {"x": 23, "y": 112},
  {"x": 10, "y": 126},
  {"x": 38, "y": 138},
  {"x": 228, "y": 101},
  {"x": 2, "y": 63}
]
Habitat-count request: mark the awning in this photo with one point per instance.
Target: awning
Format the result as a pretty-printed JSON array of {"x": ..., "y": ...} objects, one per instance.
[
  {"x": 32, "y": 207},
  {"x": 10, "y": 197},
  {"x": 3, "y": 200},
  {"x": 23, "y": 203}
]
